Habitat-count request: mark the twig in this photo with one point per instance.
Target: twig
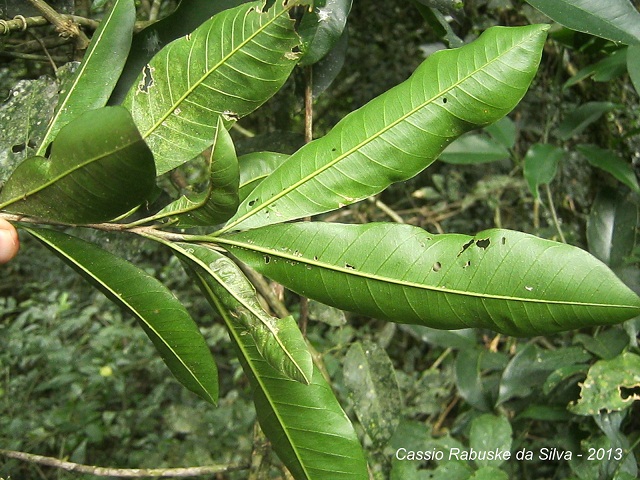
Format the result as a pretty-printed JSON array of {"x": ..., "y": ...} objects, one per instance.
[
  {"x": 123, "y": 472},
  {"x": 154, "y": 11},
  {"x": 386, "y": 209},
  {"x": 64, "y": 26},
  {"x": 263, "y": 288},
  {"x": 20, "y": 23},
  {"x": 554, "y": 216}
]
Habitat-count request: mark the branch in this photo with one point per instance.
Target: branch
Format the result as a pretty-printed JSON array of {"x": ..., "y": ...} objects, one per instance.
[
  {"x": 123, "y": 472},
  {"x": 20, "y": 23},
  {"x": 64, "y": 26}
]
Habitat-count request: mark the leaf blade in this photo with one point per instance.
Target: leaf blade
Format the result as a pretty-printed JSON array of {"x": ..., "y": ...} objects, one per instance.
[
  {"x": 163, "y": 318},
  {"x": 95, "y": 79},
  {"x": 506, "y": 281},
  {"x": 401, "y": 132}
]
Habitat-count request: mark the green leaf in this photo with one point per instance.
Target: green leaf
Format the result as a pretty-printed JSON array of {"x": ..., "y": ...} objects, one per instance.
[
  {"x": 401, "y": 132},
  {"x": 540, "y": 165},
  {"x": 490, "y": 433},
  {"x": 503, "y": 131},
  {"x": 255, "y": 167},
  {"x": 611, "y": 385},
  {"x": 489, "y": 473},
  {"x": 161, "y": 315},
  {"x": 612, "y": 227},
  {"x": 93, "y": 82},
  {"x": 610, "y": 67},
  {"x": 606, "y": 344},
  {"x": 227, "y": 67},
  {"x": 608, "y": 161},
  {"x": 503, "y": 280},
  {"x": 633, "y": 66},
  {"x": 583, "y": 116},
  {"x": 220, "y": 200},
  {"x": 305, "y": 423},
  {"x": 279, "y": 341},
  {"x": 473, "y": 149},
  {"x": 531, "y": 366},
  {"x": 471, "y": 387},
  {"x": 99, "y": 169},
  {"x": 371, "y": 380},
  {"x": 615, "y": 20},
  {"x": 321, "y": 30}
]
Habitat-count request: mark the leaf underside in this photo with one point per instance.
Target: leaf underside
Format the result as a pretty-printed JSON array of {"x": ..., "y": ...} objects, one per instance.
[
  {"x": 227, "y": 67},
  {"x": 502, "y": 280},
  {"x": 402, "y": 131}
]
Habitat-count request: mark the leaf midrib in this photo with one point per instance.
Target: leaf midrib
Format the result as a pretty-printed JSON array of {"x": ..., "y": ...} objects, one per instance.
[
  {"x": 403, "y": 283},
  {"x": 357, "y": 147}
]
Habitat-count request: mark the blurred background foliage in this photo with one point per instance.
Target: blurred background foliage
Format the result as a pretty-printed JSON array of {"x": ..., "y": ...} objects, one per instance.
[{"x": 79, "y": 381}]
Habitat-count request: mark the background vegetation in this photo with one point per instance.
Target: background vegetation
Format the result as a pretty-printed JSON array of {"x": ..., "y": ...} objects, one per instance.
[{"x": 79, "y": 380}]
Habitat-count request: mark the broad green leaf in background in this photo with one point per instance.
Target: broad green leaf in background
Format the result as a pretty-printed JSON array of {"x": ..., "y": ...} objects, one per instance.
[
  {"x": 490, "y": 433},
  {"x": 473, "y": 149},
  {"x": 610, "y": 67},
  {"x": 227, "y": 67},
  {"x": 606, "y": 344},
  {"x": 615, "y": 20},
  {"x": 401, "y": 132},
  {"x": 321, "y": 30},
  {"x": 99, "y": 169},
  {"x": 463, "y": 339},
  {"x": 507, "y": 281},
  {"x": 609, "y": 161},
  {"x": 433, "y": 14},
  {"x": 255, "y": 167},
  {"x": 304, "y": 423},
  {"x": 633, "y": 66},
  {"x": 503, "y": 131},
  {"x": 531, "y": 366},
  {"x": 577, "y": 120},
  {"x": 93, "y": 82},
  {"x": 611, "y": 385},
  {"x": 469, "y": 382},
  {"x": 279, "y": 341},
  {"x": 612, "y": 227},
  {"x": 220, "y": 199},
  {"x": 540, "y": 166},
  {"x": 371, "y": 380},
  {"x": 161, "y": 315}
]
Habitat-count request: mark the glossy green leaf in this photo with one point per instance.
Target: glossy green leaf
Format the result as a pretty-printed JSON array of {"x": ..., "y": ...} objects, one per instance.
[
  {"x": 610, "y": 67},
  {"x": 227, "y": 67},
  {"x": 503, "y": 131},
  {"x": 255, "y": 167},
  {"x": 161, "y": 315},
  {"x": 633, "y": 66},
  {"x": 279, "y": 341},
  {"x": 606, "y": 344},
  {"x": 305, "y": 423},
  {"x": 469, "y": 382},
  {"x": 541, "y": 165},
  {"x": 371, "y": 379},
  {"x": 187, "y": 16},
  {"x": 220, "y": 199},
  {"x": 490, "y": 433},
  {"x": 473, "y": 149},
  {"x": 99, "y": 169},
  {"x": 503, "y": 280},
  {"x": 93, "y": 82},
  {"x": 577, "y": 120},
  {"x": 321, "y": 30},
  {"x": 615, "y": 20},
  {"x": 612, "y": 227},
  {"x": 609, "y": 161},
  {"x": 401, "y": 132},
  {"x": 611, "y": 385},
  {"x": 432, "y": 12}
]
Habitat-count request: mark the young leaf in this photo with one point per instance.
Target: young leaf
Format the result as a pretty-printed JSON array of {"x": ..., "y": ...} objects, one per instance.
[
  {"x": 305, "y": 423},
  {"x": 279, "y": 341},
  {"x": 608, "y": 161},
  {"x": 93, "y": 82},
  {"x": 99, "y": 169},
  {"x": 161, "y": 315},
  {"x": 615, "y": 20},
  {"x": 401, "y": 132},
  {"x": 373, "y": 387},
  {"x": 503, "y": 280},
  {"x": 321, "y": 30},
  {"x": 227, "y": 67},
  {"x": 540, "y": 165},
  {"x": 220, "y": 200}
]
